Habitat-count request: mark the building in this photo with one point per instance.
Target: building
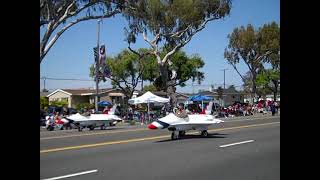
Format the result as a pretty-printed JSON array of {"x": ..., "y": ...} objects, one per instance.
[
  {"x": 181, "y": 97},
  {"x": 77, "y": 96},
  {"x": 229, "y": 96}
]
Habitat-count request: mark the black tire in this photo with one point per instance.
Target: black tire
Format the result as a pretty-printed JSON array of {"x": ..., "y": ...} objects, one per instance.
[
  {"x": 204, "y": 133},
  {"x": 182, "y": 133},
  {"x": 174, "y": 136},
  {"x": 91, "y": 128},
  {"x": 79, "y": 128}
]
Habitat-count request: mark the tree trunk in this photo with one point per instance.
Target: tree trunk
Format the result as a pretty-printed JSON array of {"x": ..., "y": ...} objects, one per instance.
[
  {"x": 171, "y": 91},
  {"x": 168, "y": 85},
  {"x": 254, "y": 86},
  {"x": 275, "y": 92}
]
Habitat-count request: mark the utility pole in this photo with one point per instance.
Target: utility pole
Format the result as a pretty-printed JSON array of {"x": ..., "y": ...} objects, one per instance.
[
  {"x": 97, "y": 69},
  {"x": 224, "y": 78},
  {"x": 192, "y": 88},
  {"x": 44, "y": 83}
]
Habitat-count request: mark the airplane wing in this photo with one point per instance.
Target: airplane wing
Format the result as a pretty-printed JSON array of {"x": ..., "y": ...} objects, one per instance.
[{"x": 192, "y": 121}]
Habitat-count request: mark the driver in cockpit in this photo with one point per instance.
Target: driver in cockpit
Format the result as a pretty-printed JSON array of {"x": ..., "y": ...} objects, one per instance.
[{"x": 181, "y": 113}]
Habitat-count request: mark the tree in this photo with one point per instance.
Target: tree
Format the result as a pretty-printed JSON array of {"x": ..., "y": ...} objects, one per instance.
[
  {"x": 269, "y": 80},
  {"x": 172, "y": 25},
  {"x": 150, "y": 87},
  {"x": 44, "y": 102},
  {"x": 254, "y": 47},
  {"x": 186, "y": 68},
  {"x": 127, "y": 69},
  {"x": 220, "y": 93},
  {"x": 54, "y": 14},
  {"x": 261, "y": 89}
]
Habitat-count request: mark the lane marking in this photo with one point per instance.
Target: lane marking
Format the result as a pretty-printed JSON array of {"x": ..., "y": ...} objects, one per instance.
[
  {"x": 72, "y": 175},
  {"x": 98, "y": 133},
  {"x": 242, "y": 142},
  {"x": 133, "y": 130},
  {"x": 249, "y": 119},
  {"x": 144, "y": 139}
]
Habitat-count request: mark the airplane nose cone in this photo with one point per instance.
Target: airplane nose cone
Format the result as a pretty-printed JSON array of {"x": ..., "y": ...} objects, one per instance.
[
  {"x": 151, "y": 126},
  {"x": 64, "y": 121}
]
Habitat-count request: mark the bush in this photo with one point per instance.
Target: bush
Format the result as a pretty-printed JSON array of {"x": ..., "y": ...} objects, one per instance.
[
  {"x": 59, "y": 103},
  {"x": 44, "y": 103},
  {"x": 84, "y": 106}
]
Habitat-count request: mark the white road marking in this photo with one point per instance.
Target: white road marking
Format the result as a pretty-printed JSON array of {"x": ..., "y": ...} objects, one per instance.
[
  {"x": 72, "y": 175},
  {"x": 236, "y": 143},
  {"x": 248, "y": 119}
]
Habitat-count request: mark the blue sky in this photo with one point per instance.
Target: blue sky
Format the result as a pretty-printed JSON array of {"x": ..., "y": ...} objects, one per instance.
[{"x": 72, "y": 54}]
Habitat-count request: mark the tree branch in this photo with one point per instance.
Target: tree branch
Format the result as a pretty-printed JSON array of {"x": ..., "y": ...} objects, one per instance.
[
  {"x": 67, "y": 12},
  {"x": 55, "y": 38},
  {"x": 183, "y": 43},
  {"x": 234, "y": 66}
]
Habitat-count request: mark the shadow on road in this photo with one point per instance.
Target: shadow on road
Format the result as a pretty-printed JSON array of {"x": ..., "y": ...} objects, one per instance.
[{"x": 195, "y": 136}]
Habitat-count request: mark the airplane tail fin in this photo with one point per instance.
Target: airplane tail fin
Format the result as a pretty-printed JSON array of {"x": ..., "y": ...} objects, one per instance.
[
  {"x": 113, "y": 109},
  {"x": 209, "y": 108}
]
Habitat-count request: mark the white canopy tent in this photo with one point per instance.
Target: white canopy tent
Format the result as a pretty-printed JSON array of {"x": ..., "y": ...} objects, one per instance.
[{"x": 148, "y": 98}]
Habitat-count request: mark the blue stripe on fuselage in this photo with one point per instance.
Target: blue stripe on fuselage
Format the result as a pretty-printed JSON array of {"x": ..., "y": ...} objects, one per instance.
[{"x": 165, "y": 125}]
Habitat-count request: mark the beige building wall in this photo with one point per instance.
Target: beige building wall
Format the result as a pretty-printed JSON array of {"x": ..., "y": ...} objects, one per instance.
[
  {"x": 60, "y": 96},
  {"x": 76, "y": 99}
]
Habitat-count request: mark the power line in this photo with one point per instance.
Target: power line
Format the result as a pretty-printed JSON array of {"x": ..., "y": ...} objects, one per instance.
[{"x": 65, "y": 79}]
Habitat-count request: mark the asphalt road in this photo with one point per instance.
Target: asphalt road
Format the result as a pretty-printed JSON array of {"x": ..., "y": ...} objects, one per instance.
[{"x": 137, "y": 153}]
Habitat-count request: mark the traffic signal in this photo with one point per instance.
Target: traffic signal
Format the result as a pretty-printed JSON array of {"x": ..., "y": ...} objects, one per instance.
[{"x": 95, "y": 53}]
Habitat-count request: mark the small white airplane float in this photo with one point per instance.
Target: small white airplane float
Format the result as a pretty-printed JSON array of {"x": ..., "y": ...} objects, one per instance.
[
  {"x": 94, "y": 120},
  {"x": 179, "y": 126}
]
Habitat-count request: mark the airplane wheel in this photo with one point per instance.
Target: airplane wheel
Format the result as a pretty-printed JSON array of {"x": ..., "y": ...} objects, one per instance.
[
  {"x": 91, "y": 128},
  {"x": 79, "y": 129},
  {"x": 182, "y": 133},
  {"x": 174, "y": 136},
  {"x": 204, "y": 133}
]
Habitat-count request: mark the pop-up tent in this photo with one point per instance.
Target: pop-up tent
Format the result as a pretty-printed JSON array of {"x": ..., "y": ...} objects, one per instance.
[
  {"x": 199, "y": 98},
  {"x": 104, "y": 103},
  {"x": 148, "y": 98}
]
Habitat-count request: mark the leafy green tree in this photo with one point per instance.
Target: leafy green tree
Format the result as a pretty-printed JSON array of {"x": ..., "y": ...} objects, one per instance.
[
  {"x": 186, "y": 68},
  {"x": 171, "y": 24},
  {"x": 254, "y": 47},
  {"x": 58, "y": 16},
  {"x": 150, "y": 88},
  {"x": 44, "y": 102},
  {"x": 269, "y": 80},
  {"x": 127, "y": 69}
]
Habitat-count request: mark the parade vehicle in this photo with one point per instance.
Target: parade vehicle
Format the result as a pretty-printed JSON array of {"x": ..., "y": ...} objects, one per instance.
[
  {"x": 179, "y": 126},
  {"x": 94, "y": 120}
]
